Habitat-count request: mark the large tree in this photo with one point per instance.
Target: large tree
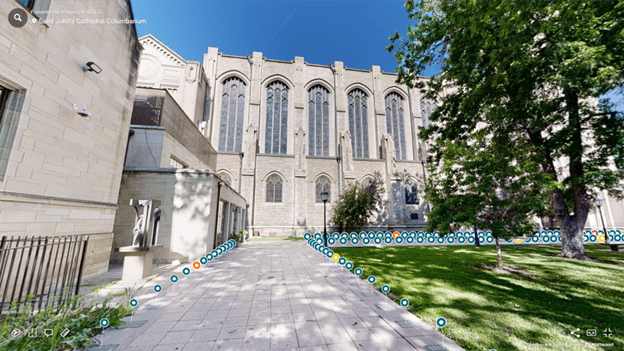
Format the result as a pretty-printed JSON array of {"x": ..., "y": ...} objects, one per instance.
[
  {"x": 489, "y": 182},
  {"x": 530, "y": 67}
]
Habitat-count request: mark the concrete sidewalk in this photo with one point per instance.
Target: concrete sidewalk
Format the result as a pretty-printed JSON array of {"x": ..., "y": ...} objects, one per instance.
[{"x": 270, "y": 296}]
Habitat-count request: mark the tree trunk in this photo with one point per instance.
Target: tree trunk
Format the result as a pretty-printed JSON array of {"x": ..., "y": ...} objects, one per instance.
[
  {"x": 499, "y": 255},
  {"x": 572, "y": 226}
]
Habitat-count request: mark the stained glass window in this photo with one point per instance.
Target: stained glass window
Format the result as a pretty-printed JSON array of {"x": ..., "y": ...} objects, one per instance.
[
  {"x": 411, "y": 193},
  {"x": 274, "y": 189},
  {"x": 427, "y": 106},
  {"x": 232, "y": 115},
  {"x": 322, "y": 184},
  {"x": 358, "y": 123},
  {"x": 395, "y": 124},
  {"x": 318, "y": 121},
  {"x": 276, "y": 135}
]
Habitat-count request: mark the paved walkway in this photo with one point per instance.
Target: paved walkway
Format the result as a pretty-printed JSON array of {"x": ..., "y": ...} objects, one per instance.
[{"x": 270, "y": 296}]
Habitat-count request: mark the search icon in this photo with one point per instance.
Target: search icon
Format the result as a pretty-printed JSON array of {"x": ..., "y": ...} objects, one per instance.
[{"x": 18, "y": 18}]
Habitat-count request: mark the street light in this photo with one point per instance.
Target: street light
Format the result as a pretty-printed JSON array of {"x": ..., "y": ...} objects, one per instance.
[
  {"x": 325, "y": 197},
  {"x": 604, "y": 228}
]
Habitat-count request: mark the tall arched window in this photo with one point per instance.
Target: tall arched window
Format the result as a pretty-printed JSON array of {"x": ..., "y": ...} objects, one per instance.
[
  {"x": 318, "y": 117},
  {"x": 276, "y": 119},
  {"x": 274, "y": 189},
  {"x": 411, "y": 193},
  {"x": 427, "y": 106},
  {"x": 358, "y": 123},
  {"x": 394, "y": 123},
  {"x": 232, "y": 115},
  {"x": 322, "y": 184}
]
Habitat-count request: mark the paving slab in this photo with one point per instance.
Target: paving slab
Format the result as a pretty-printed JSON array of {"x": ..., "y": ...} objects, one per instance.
[{"x": 270, "y": 296}]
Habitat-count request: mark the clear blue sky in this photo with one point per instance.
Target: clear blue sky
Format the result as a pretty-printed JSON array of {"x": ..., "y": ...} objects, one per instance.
[
  {"x": 354, "y": 32},
  {"x": 322, "y": 31}
]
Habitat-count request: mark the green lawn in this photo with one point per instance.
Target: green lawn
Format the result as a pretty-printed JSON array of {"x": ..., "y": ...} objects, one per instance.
[{"x": 487, "y": 310}]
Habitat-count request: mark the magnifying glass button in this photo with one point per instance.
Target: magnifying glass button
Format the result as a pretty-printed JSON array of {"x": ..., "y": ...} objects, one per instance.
[{"x": 18, "y": 18}]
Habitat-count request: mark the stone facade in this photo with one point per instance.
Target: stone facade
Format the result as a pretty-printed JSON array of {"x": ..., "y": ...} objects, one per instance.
[
  {"x": 301, "y": 167},
  {"x": 310, "y": 141},
  {"x": 62, "y": 171}
]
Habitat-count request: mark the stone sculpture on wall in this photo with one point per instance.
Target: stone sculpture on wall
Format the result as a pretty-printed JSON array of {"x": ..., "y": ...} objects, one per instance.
[
  {"x": 250, "y": 149},
  {"x": 390, "y": 154},
  {"x": 300, "y": 156},
  {"x": 347, "y": 153},
  {"x": 146, "y": 222}
]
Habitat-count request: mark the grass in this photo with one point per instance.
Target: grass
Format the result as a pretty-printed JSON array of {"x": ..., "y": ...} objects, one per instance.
[
  {"x": 274, "y": 239},
  {"x": 82, "y": 320},
  {"x": 488, "y": 310},
  {"x": 100, "y": 288}
]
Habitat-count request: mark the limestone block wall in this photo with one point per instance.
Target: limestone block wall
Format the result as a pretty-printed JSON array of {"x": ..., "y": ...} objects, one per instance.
[{"x": 64, "y": 170}]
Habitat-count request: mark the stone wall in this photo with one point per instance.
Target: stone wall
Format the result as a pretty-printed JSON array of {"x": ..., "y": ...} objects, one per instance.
[
  {"x": 188, "y": 210},
  {"x": 64, "y": 170}
]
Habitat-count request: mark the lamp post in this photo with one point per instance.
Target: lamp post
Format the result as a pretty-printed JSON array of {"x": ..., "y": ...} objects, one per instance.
[
  {"x": 604, "y": 228},
  {"x": 325, "y": 197}
]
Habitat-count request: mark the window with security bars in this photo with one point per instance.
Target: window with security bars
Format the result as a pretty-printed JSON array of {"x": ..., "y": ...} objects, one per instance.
[
  {"x": 232, "y": 115},
  {"x": 427, "y": 106},
  {"x": 411, "y": 193},
  {"x": 322, "y": 184},
  {"x": 276, "y": 135},
  {"x": 394, "y": 123},
  {"x": 358, "y": 123},
  {"x": 274, "y": 189},
  {"x": 318, "y": 118}
]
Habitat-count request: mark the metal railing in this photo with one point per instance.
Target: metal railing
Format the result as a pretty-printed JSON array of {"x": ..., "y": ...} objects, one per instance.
[{"x": 48, "y": 269}]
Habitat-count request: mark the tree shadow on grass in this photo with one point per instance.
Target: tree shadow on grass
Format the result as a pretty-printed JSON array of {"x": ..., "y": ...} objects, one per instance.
[{"x": 489, "y": 309}]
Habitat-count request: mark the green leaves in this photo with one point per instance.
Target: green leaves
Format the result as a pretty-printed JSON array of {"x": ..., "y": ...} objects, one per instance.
[
  {"x": 357, "y": 204},
  {"x": 518, "y": 84}
]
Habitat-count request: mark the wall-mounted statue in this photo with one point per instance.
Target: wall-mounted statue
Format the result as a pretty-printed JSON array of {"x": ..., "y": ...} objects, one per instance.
[{"x": 146, "y": 222}]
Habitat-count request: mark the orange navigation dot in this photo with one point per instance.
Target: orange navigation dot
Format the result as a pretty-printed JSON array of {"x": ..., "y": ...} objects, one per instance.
[
  {"x": 196, "y": 265},
  {"x": 395, "y": 234}
]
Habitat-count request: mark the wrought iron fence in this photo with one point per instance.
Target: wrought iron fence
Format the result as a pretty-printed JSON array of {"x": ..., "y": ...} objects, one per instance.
[{"x": 48, "y": 269}]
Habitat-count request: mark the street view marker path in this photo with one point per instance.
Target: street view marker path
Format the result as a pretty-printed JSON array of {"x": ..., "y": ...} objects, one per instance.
[{"x": 271, "y": 296}]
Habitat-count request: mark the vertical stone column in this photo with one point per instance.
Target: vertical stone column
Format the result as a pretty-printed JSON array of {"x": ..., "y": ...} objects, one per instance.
[
  {"x": 342, "y": 127},
  {"x": 377, "y": 111},
  {"x": 300, "y": 174},
  {"x": 250, "y": 142},
  {"x": 300, "y": 197},
  {"x": 392, "y": 181},
  {"x": 210, "y": 66}
]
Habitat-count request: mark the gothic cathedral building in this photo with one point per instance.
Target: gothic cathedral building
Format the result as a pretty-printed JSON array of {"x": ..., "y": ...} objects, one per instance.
[{"x": 284, "y": 131}]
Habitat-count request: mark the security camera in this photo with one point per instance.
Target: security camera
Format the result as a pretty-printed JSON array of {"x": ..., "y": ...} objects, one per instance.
[{"x": 82, "y": 112}]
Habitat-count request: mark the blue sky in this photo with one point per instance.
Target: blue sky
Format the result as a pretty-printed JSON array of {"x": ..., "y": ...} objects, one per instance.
[
  {"x": 354, "y": 32},
  {"x": 322, "y": 31}
]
